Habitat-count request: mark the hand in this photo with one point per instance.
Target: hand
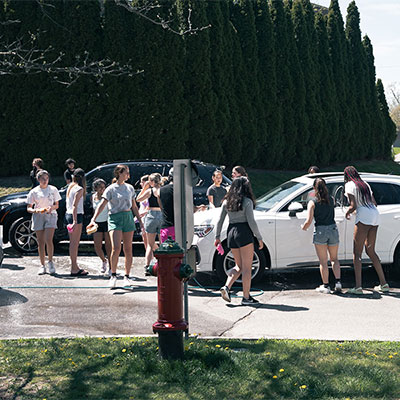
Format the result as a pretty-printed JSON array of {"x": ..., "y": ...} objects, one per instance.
[
  {"x": 48, "y": 210},
  {"x": 347, "y": 215},
  {"x": 303, "y": 226},
  {"x": 260, "y": 244},
  {"x": 217, "y": 242},
  {"x": 91, "y": 224}
]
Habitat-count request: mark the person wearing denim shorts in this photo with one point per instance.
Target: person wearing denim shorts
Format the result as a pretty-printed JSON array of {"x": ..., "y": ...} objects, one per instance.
[
  {"x": 154, "y": 216},
  {"x": 120, "y": 199},
  {"x": 326, "y": 236}
]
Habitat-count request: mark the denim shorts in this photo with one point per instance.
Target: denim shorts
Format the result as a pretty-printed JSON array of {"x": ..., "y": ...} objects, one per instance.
[
  {"x": 122, "y": 221},
  {"x": 326, "y": 234},
  {"x": 153, "y": 221}
]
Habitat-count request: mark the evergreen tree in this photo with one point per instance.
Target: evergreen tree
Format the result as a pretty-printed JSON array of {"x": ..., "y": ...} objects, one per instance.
[
  {"x": 266, "y": 54},
  {"x": 389, "y": 133},
  {"x": 286, "y": 144},
  {"x": 357, "y": 83},
  {"x": 326, "y": 97}
]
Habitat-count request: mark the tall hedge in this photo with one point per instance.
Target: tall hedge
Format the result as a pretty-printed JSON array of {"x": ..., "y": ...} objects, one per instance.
[{"x": 268, "y": 84}]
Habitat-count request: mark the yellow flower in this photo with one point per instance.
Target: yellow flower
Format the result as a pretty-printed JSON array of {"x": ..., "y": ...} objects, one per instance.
[
  {"x": 103, "y": 355},
  {"x": 69, "y": 359},
  {"x": 186, "y": 347},
  {"x": 390, "y": 356},
  {"x": 281, "y": 370},
  {"x": 303, "y": 387},
  {"x": 190, "y": 343},
  {"x": 337, "y": 348},
  {"x": 267, "y": 354},
  {"x": 124, "y": 350},
  {"x": 217, "y": 345},
  {"x": 226, "y": 348},
  {"x": 274, "y": 377}
]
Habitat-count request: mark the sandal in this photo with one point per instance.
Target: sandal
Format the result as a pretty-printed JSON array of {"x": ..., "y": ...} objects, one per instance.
[{"x": 81, "y": 272}]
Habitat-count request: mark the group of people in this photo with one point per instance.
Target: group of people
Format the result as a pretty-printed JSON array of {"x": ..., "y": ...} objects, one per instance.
[{"x": 116, "y": 205}]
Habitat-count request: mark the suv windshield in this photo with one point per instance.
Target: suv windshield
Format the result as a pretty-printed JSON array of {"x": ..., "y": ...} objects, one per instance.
[{"x": 274, "y": 196}]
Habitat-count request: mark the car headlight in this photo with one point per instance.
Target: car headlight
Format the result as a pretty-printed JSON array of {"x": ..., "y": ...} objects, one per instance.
[
  {"x": 4, "y": 205},
  {"x": 203, "y": 230}
]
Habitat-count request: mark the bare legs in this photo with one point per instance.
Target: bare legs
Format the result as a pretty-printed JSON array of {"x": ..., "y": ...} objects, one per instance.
[
  {"x": 74, "y": 239},
  {"x": 365, "y": 235},
  {"x": 98, "y": 244},
  {"x": 45, "y": 241},
  {"x": 150, "y": 246},
  {"x": 116, "y": 238},
  {"x": 244, "y": 260},
  {"x": 323, "y": 250}
]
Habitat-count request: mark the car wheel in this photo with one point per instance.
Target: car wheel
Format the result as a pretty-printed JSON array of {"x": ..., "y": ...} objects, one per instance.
[
  {"x": 21, "y": 236},
  {"x": 225, "y": 262}
]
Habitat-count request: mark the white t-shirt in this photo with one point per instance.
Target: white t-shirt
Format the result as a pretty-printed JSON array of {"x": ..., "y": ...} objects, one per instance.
[
  {"x": 366, "y": 215},
  {"x": 43, "y": 198},
  {"x": 70, "y": 199},
  {"x": 104, "y": 214},
  {"x": 119, "y": 197}
]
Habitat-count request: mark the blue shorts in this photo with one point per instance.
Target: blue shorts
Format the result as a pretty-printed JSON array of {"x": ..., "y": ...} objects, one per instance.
[
  {"x": 69, "y": 218},
  {"x": 326, "y": 234}
]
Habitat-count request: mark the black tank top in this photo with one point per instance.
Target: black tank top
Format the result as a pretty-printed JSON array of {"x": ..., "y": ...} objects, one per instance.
[
  {"x": 153, "y": 202},
  {"x": 324, "y": 214}
]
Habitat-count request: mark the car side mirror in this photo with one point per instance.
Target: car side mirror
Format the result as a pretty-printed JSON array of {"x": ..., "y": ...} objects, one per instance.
[{"x": 294, "y": 208}]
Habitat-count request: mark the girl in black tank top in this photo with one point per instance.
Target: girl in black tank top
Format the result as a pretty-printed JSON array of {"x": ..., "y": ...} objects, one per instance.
[
  {"x": 326, "y": 236},
  {"x": 153, "y": 202}
]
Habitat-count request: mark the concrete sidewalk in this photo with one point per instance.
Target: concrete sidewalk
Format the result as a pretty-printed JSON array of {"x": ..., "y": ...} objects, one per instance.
[{"x": 42, "y": 306}]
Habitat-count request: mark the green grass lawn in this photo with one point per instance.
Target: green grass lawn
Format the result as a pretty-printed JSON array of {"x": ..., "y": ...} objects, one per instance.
[{"x": 129, "y": 368}]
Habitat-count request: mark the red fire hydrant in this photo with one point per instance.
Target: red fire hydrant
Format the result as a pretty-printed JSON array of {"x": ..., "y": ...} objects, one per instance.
[{"x": 171, "y": 323}]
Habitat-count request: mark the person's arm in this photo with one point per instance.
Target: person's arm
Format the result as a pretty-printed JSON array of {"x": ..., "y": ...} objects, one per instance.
[
  {"x": 135, "y": 211},
  {"x": 219, "y": 225},
  {"x": 53, "y": 207},
  {"x": 353, "y": 205},
  {"x": 211, "y": 200},
  {"x": 252, "y": 223},
  {"x": 145, "y": 193},
  {"x": 310, "y": 215},
  {"x": 31, "y": 209}
]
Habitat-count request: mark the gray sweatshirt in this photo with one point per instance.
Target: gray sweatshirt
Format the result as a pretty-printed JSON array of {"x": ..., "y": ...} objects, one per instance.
[{"x": 244, "y": 215}]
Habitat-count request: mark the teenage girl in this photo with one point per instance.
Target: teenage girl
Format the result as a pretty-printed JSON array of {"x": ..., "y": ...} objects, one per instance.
[
  {"x": 120, "y": 199},
  {"x": 37, "y": 165},
  {"x": 326, "y": 236},
  {"x": 238, "y": 171},
  {"x": 42, "y": 204},
  {"x": 239, "y": 205},
  {"x": 99, "y": 186},
  {"x": 363, "y": 203},
  {"x": 74, "y": 217},
  {"x": 154, "y": 217}
]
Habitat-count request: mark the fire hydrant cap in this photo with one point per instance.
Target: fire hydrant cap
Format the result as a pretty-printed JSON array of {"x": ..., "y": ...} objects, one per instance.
[{"x": 169, "y": 247}]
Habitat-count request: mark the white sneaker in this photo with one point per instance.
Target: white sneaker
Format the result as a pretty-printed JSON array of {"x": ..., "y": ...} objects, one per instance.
[
  {"x": 104, "y": 265},
  {"x": 128, "y": 281},
  {"x": 42, "y": 270},
  {"x": 338, "y": 287},
  {"x": 382, "y": 288},
  {"x": 52, "y": 269},
  {"x": 323, "y": 289},
  {"x": 112, "y": 282}
]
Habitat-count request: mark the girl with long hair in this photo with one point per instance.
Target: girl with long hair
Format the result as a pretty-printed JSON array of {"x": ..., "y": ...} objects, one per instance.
[
  {"x": 74, "y": 217},
  {"x": 238, "y": 171},
  {"x": 99, "y": 186},
  {"x": 154, "y": 217},
  {"x": 43, "y": 204},
  {"x": 120, "y": 199},
  {"x": 239, "y": 204},
  {"x": 326, "y": 236},
  {"x": 362, "y": 202}
]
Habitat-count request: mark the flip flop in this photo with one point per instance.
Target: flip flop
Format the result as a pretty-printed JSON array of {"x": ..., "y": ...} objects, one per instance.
[{"x": 81, "y": 272}]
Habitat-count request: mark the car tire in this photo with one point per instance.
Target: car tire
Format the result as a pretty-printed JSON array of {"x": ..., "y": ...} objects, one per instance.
[
  {"x": 21, "y": 236},
  {"x": 226, "y": 262}
]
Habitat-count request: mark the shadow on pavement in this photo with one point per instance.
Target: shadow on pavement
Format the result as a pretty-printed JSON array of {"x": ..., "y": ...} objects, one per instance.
[
  {"x": 277, "y": 307},
  {"x": 8, "y": 298}
]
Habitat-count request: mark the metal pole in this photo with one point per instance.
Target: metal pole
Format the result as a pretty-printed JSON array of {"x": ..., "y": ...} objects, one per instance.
[{"x": 184, "y": 243}]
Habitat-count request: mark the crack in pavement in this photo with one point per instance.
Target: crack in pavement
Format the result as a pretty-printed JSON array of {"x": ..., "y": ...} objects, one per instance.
[{"x": 247, "y": 315}]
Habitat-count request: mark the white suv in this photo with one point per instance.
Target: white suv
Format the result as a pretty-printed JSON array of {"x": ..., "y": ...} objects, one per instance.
[{"x": 279, "y": 214}]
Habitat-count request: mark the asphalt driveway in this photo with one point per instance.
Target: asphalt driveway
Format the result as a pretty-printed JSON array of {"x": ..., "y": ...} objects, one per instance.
[{"x": 60, "y": 305}]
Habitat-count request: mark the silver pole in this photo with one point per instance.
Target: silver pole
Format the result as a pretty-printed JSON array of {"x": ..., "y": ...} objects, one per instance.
[{"x": 184, "y": 242}]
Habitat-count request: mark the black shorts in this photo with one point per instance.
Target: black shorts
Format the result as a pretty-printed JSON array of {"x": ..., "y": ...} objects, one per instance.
[
  {"x": 69, "y": 219},
  {"x": 239, "y": 235},
  {"x": 102, "y": 226}
]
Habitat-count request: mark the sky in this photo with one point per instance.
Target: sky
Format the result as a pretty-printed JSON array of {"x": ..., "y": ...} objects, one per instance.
[{"x": 380, "y": 20}]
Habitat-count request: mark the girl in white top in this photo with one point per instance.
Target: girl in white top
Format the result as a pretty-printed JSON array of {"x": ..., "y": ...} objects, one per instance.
[
  {"x": 363, "y": 203},
  {"x": 120, "y": 199},
  {"x": 99, "y": 186},
  {"x": 74, "y": 217},
  {"x": 42, "y": 204}
]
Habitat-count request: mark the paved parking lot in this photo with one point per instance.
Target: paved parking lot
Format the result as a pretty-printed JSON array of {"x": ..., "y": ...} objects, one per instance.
[{"x": 41, "y": 306}]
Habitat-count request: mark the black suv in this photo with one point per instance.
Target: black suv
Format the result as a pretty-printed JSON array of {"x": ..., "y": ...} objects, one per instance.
[{"x": 16, "y": 220}]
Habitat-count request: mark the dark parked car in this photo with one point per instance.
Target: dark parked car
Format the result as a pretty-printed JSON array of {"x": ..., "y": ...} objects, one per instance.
[{"x": 16, "y": 220}]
